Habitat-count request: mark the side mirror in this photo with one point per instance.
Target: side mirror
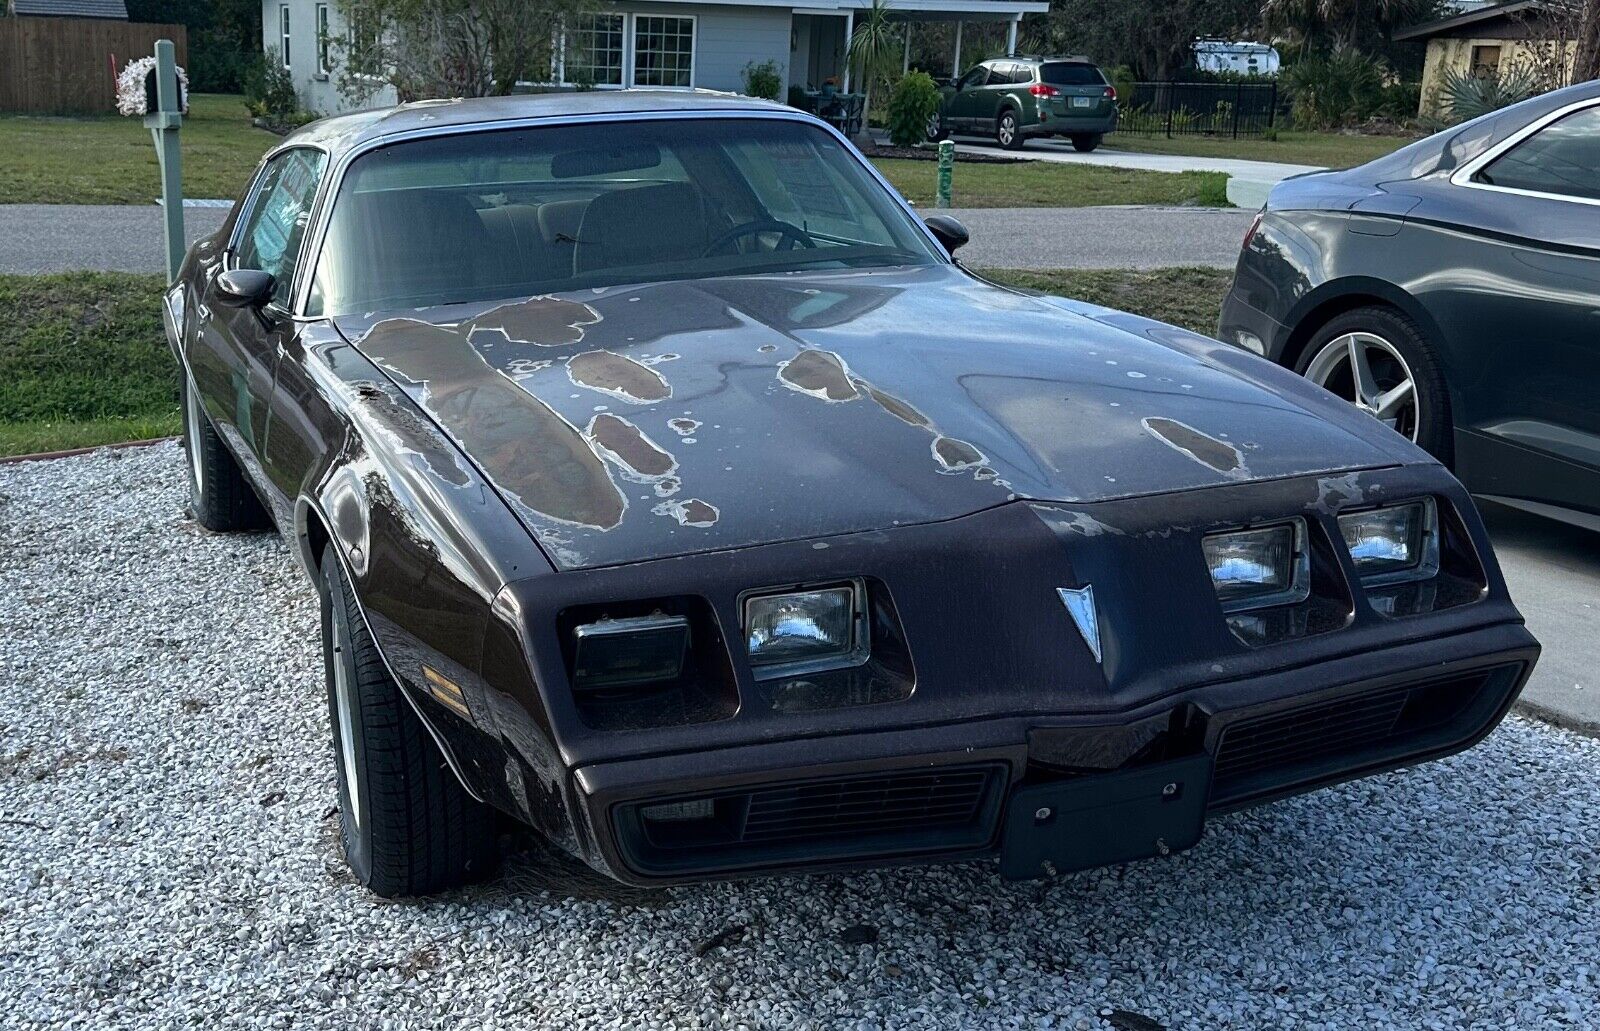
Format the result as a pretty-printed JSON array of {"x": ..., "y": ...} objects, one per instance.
[
  {"x": 244, "y": 288},
  {"x": 949, "y": 231}
]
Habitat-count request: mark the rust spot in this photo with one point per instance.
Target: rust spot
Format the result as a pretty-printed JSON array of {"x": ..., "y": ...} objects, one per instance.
[
  {"x": 683, "y": 427},
  {"x": 954, "y": 455},
  {"x": 692, "y": 512},
  {"x": 899, "y": 409},
  {"x": 523, "y": 445},
  {"x": 1210, "y": 452},
  {"x": 545, "y": 321},
  {"x": 619, "y": 376},
  {"x": 821, "y": 374},
  {"x": 767, "y": 348},
  {"x": 626, "y": 445}
]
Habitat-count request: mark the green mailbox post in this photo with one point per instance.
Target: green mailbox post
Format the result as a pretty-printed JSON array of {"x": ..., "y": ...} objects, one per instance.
[{"x": 164, "y": 123}]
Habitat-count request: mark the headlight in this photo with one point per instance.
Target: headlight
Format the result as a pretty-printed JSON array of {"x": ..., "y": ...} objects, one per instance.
[
  {"x": 1253, "y": 569},
  {"x": 625, "y": 652},
  {"x": 1398, "y": 542},
  {"x": 804, "y": 630}
]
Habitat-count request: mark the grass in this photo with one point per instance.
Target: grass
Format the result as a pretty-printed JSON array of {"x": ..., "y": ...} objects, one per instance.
[
  {"x": 1187, "y": 297},
  {"x": 83, "y": 361},
  {"x": 1324, "y": 149},
  {"x": 1045, "y": 184},
  {"x": 110, "y": 159}
]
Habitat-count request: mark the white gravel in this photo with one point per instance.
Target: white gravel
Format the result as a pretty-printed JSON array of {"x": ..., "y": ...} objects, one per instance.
[{"x": 168, "y": 849}]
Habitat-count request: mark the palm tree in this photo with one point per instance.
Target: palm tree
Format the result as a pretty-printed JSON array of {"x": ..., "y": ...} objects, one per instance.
[{"x": 874, "y": 47}]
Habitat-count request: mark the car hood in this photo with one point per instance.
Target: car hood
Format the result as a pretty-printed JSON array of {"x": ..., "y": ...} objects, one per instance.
[{"x": 649, "y": 421}]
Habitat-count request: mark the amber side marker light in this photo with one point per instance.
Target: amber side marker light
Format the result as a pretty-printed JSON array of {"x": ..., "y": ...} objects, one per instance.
[{"x": 446, "y": 691}]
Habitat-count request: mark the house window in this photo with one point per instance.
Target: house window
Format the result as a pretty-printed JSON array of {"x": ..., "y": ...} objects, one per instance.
[
  {"x": 663, "y": 51},
  {"x": 365, "y": 43},
  {"x": 594, "y": 51},
  {"x": 324, "y": 58},
  {"x": 1485, "y": 62},
  {"x": 283, "y": 32}
]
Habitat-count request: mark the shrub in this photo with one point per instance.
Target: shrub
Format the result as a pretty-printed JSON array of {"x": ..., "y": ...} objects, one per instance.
[
  {"x": 798, "y": 98},
  {"x": 1400, "y": 101},
  {"x": 1338, "y": 89},
  {"x": 269, "y": 88},
  {"x": 1122, "y": 80},
  {"x": 913, "y": 103},
  {"x": 762, "y": 80},
  {"x": 1464, "y": 96}
]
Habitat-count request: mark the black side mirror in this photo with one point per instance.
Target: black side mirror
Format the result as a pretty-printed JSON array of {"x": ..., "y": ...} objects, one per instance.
[
  {"x": 244, "y": 288},
  {"x": 949, "y": 231}
]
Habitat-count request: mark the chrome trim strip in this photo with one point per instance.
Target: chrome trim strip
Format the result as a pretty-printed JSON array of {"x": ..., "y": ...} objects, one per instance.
[
  {"x": 322, "y": 210},
  {"x": 1463, "y": 176}
]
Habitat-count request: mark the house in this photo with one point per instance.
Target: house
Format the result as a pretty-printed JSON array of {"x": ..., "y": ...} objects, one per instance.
[
  {"x": 69, "y": 9},
  {"x": 1483, "y": 40},
  {"x": 657, "y": 43}
]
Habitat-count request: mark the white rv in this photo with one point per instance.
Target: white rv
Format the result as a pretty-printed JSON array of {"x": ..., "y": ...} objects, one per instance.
[{"x": 1221, "y": 55}]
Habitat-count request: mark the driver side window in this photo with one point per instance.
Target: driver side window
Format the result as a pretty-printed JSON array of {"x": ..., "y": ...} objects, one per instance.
[
  {"x": 275, "y": 223},
  {"x": 975, "y": 77}
]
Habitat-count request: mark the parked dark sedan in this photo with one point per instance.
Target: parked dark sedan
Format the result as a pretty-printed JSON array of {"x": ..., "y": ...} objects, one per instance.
[
  {"x": 1452, "y": 289},
  {"x": 670, "y": 490}
]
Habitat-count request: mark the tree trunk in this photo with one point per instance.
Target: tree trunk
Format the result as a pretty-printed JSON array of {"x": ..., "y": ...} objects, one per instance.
[{"x": 1586, "y": 63}]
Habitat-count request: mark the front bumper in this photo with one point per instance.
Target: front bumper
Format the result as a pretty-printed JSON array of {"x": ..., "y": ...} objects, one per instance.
[{"x": 1042, "y": 792}]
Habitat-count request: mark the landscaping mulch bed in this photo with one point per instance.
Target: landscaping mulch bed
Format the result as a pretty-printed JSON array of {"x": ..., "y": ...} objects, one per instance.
[{"x": 885, "y": 150}]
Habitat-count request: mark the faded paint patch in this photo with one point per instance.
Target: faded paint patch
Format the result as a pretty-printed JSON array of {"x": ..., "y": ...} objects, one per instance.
[
  {"x": 691, "y": 512},
  {"x": 901, "y": 410},
  {"x": 1335, "y": 492},
  {"x": 955, "y": 455},
  {"x": 1218, "y": 455},
  {"x": 543, "y": 321},
  {"x": 525, "y": 446},
  {"x": 639, "y": 457},
  {"x": 619, "y": 376},
  {"x": 668, "y": 486},
  {"x": 822, "y": 374},
  {"x": 684, "y": 427}
]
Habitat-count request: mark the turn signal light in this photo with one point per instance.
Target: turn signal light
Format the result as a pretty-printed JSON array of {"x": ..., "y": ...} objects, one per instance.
[
  {"x": 1111, "y": 93},
  {"x": 625, "y": 652}
]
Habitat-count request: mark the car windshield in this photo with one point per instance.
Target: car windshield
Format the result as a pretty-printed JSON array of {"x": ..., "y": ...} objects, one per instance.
[
  {"x": 1070, "y": 73},
  {"x": 508, "y": 213}
]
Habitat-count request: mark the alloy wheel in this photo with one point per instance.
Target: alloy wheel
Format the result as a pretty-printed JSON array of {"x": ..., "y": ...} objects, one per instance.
[
  {"x": 192, "y": 434},
  {"x": 1370, "y": 372},
  {"x": 344, "y": 703},
  {"x": 1008, "y": 129},
  {"x": 932, "y": 130}
]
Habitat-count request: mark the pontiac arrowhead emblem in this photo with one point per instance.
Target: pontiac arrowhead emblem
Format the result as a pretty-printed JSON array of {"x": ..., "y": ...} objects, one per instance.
[{"x": 1080, "y": 606}]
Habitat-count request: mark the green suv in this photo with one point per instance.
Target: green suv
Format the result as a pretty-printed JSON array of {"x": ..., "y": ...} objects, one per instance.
[{"x": 1013, "y": 98}]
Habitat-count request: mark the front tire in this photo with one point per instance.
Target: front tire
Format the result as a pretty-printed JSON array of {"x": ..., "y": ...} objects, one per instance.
[
  {"x": 1084, "y": 143},
  {"x": 219, "y": 496},
  {"x": 936, "y": 130},
  {"x": 1006, "y": 131},
  {"x": 1378, "y": 359},
  {"x": 407, "y": 825}
]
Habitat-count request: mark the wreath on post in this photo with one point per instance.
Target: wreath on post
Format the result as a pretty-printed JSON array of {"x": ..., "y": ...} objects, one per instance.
[{"x": 136, "y": 88}]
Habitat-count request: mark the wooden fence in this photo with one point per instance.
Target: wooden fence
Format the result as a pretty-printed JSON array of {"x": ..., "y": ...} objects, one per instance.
[{"x": 62, "y": 66}]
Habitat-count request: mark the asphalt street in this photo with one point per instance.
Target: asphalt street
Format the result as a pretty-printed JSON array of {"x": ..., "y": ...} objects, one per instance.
[{"x": 60, "y": 237}]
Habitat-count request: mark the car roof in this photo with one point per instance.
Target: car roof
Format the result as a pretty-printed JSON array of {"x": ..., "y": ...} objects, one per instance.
[
  {"x": 1036, "y": 59},
  {"x": 346, "y": 132}
]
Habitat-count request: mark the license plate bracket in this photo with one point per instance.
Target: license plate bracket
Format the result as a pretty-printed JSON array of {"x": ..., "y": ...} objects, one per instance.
[
  {"x": 1082, "y": 101},
  {"x": 1105, "y": 818}
]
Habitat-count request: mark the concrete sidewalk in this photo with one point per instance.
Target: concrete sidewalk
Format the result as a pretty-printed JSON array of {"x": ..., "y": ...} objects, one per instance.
[{"x": 1061, "y": 151}]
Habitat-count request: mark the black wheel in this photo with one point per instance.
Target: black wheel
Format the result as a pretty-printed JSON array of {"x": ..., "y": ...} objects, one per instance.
[
  {"x": 219, "y": 496},
  {"x": 1006, "y": 132},
  {"x": 407, "y": 825},
  {"x": 1378, "y": 359},
  {"x": 1083, "y": 143}
]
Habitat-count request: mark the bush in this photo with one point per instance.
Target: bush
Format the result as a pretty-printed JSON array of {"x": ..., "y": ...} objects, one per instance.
[
  {"x": 912, "y": 105},
  {"x": 1463, "y": 96},
  {"x": 269, "y": 88},
  {"x": 1122, "y": 80},
  {"x": 798, "y": 98},
  {"x": 762, "y": 80},
  {"x": 1335, "y": 90},
  {"x": 1400, "y": 101}
]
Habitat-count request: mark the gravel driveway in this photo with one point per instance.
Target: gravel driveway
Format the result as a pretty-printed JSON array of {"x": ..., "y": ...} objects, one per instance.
[{"x": 169, "y": 846}]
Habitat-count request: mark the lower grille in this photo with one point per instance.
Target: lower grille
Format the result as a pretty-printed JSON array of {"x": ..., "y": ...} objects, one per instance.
[
  {"x": 882, "y": 814},
  {"x": 1261, "y": 754}
]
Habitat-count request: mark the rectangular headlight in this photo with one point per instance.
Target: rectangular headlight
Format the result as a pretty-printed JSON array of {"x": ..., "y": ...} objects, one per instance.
[
  {"x": 1258, "y": 568},
  {"x": 803, "y": 629},
  {"x": 1396, "y": 542},
  {"x": 624, "y": 652}
]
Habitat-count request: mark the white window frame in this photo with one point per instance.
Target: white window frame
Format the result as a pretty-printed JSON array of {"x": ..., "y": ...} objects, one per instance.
[
  {"x": 1465, "y": 175},
  {"x": 324, "y": 25},
  {"x": 284, "y": 36},
  {"x": 631, "y": 49},
  {"x": 627, "y": 51}
]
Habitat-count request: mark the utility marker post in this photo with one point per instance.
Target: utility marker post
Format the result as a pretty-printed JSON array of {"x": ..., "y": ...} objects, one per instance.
[
  {"x": 164, "y": 123},
  {"x": 947, "y": 161}
]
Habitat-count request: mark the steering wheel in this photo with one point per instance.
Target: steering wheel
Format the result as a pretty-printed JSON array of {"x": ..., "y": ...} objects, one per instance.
[{"x": 785, "y": 230}]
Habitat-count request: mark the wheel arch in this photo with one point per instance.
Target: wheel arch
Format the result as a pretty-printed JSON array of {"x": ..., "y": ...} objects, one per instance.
[{"x": 1332, "y": 299}]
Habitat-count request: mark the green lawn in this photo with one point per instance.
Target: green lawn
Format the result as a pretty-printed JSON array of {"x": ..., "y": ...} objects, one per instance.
[
  {"x": 83, "y": 361},
  {"x": 1044, "y": 184},
  {"x": 1325, "y": 149},
  {"x": 111, "y": 160}
]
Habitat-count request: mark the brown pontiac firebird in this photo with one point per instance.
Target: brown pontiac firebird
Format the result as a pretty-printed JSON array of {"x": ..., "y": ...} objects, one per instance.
[{"x": 670, "y": 490}]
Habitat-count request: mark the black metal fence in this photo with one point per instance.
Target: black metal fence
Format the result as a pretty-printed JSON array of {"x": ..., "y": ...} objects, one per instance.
[{"x": 1227, "y": 109}]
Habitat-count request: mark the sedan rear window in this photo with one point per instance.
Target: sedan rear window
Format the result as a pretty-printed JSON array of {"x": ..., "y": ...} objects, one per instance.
[
  {"x": 508, "y": 213},
  {"x": 1071, "y": 73}
]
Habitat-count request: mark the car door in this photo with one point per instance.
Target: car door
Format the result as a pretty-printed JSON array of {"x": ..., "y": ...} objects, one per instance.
[
  {"x": 1524, "y": 326},
  {"x": 986, "y": 98},
  {"x": 234, "y": 354},
  {"x": 964, "y": 104}
]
